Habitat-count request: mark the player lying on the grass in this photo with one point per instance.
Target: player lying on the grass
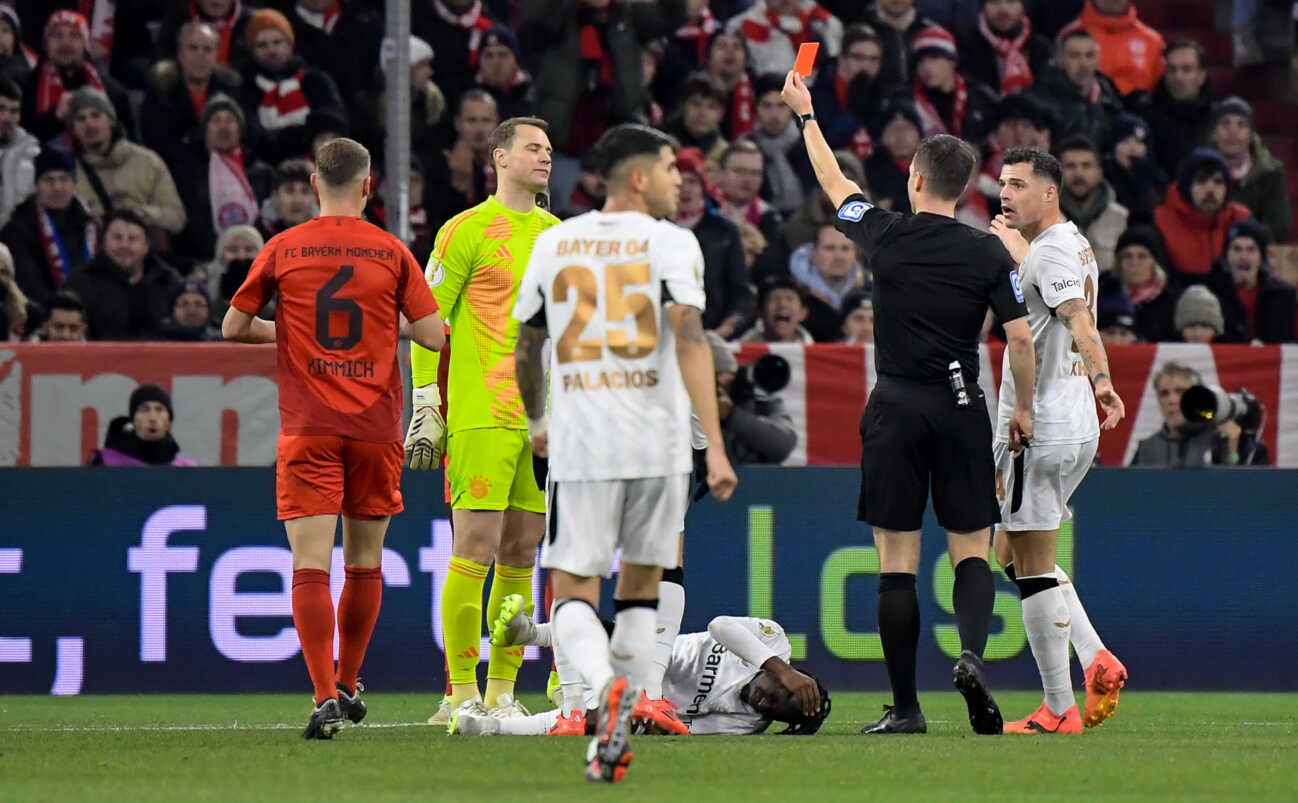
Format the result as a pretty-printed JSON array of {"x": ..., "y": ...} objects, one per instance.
[{"x": 733, "y": 679}]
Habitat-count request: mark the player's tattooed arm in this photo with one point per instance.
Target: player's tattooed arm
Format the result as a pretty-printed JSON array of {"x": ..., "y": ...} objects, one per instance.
[
  {"x": 1076, "y": 316},
  {"x": 528, "y": 370}
]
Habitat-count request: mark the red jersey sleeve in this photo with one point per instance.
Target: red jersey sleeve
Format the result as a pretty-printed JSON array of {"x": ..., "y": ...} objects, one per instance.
[
  {"x": 416, "y": 299},
  {"x": 259, "y": 286}
]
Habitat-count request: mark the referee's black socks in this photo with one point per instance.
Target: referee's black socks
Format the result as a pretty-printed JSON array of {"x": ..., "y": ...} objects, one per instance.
[
  {"x": 973, "y": 596},
  {"x": 899, "y": 632}
]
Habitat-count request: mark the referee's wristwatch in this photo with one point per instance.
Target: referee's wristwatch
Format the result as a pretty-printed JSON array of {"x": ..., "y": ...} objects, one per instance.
[{"x": 801, "y": 119}]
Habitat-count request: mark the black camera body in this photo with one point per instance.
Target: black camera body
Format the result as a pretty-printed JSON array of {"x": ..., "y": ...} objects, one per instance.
[
  {"x": 768, "y": 374},
  {"x": 1212, "y": 405}
]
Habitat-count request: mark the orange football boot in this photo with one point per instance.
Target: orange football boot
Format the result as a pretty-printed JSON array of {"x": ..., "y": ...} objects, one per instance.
[
  {"x": 1105, "y": 677},
  {"x": 572, "y": 725},
  {"x": 1043, "y": 721},
  {"x": 658, "y": 716}
]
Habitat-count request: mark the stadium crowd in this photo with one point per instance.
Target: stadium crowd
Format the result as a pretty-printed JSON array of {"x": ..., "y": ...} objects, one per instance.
[{"x": 148, "y": 148}]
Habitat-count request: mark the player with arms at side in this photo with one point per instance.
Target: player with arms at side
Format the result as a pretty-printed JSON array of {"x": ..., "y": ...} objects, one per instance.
[
  {"x": 1059, "y": 278},
  {"x": 621, "y": 291},
  {"x": 341, "y": 283},
  {"x": 497, "y": 506}
]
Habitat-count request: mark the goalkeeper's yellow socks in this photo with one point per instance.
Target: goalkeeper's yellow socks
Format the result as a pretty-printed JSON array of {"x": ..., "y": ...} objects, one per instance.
[
  {"x": 504, "y": 663},
  {"x": 462, "y": 626}
]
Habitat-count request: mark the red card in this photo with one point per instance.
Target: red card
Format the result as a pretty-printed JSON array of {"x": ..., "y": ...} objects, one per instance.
[{"x": 806, "y": 58}]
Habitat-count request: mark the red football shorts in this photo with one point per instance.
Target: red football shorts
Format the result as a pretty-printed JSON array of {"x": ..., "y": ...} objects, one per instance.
[{"x": 317, "y": 475}]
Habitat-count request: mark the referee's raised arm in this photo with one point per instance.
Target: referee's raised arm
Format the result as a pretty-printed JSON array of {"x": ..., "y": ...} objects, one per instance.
[{"x": 836, "y": 185}]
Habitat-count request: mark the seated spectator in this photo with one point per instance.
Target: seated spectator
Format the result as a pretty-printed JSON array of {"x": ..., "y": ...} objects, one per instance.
[
  {"x": 1138, "y": 180},
  {"x": 1192, "y": 444},
  {"x": 179, "y": 89},
  {"x": 63, "y": 70},
  {"x": 114, "y": 173},
  {"x": 1256, "y": 305},
  {"x": 848, "y": 92},
  {"x": 280, "y": 91},
  {"x": 946, "y": 102},
  {"x": 1131, "y": 52},
  {"x": 1082, "y": 99},
  {"x": 1020, "y": 121},
  {"x": 126, "y": 287},
  {"x": 1198, "y": 315},
  {"x": 292, "y": 201},
  {"x": 458, "y": 177},
  {"x": 738, "y": 183},
  {"x": 754, "y": 424},
  {"x": 858, "y": 319},
  {"x": 66, "y": 320},
  {"x": 816, "y": 211},
  {"x": 454, "y": 30},
  {"x": 828, "y": 271},
  {"x": 887, "y": 171},
  {"x": 1116, "y": 320},
  {"x": 16, "y": 58},
  {"x": 236, "y": 249},
  {"x": 781, "y": 311},
  {"x": 1004, "y": 52},
  {"x": 191, "y": 315},
  {"x": 1088, "y": 200},
  {"x": 18, "y": 150},
  {"x": 1149, "y": 286},
  {"x": 1179, "y": 111},
  {"x": 725, "y": 278},
  {"x": 775, "y": 28},
  {"x": 1196, "y": 214},
  {"x": 780, "y": 142},
  {"x": 727, "y": 66},
  {"x": 223, "y": 184},
  {"x": 143, "y": 439},
  {"x": 324, "y": 29},
  {"x": 500, "y": 73},
  {"x": 51, "y": 234},
  {"x": 14, "y": 314},
  {"x": 896, "y": 23},
  {"x": 229, "y": 18},
  {"x": 1257, "y": 178},
  {"x": 698, "y": 123}
]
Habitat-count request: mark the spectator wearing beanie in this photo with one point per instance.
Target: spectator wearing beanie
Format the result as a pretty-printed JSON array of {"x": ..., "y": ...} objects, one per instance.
[
  {"x": 775, "y": 28},
  {"x": 126, "y": 286},
  {"x": 228, "y": 18},
  {"x": 1179, "y": 111},
  {"x": 455, "y": 30},
  {"x": 731, "y": 304},
  {"x": 144, "y": 437},
  {"x": 1131, "y": 52},
  {"x": 1003, "y": 52},
  {"x": 1195, "y": 215},
  {"x": 500, "y": 72},
  {"x": 946, "y": 102},
  {"x": 1131, "y": 169},
  {"x": 280, "y": 91},
  {"x": 1256, "y": 305},
  {"x": 1198, "y": 315},
  {"x": 1143, "y": 279},
  {"x": 1116, "y": 319},
  {"x": 324, "y": 29},
  {"x": 888, "y": 168},
  {"x": 1258, "y": 179},
  {"x": 114, "y": 173},
  {"x": 236, "y": 248},
  {"x": 848, "y": 92},
  {"x": 191, "y": 315},
  {"x": 63, "y": 69},
  {"x": 179, "y": 88}
]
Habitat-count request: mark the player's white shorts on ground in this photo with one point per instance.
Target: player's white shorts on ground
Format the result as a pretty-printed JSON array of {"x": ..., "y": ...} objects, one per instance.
[
  {"x": 1035, "y": 496},
  {"x": 587, "y": 521}
]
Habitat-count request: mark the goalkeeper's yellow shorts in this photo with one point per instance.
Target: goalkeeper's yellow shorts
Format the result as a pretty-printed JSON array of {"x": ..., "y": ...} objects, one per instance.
[{"x": 491, "y": 469}]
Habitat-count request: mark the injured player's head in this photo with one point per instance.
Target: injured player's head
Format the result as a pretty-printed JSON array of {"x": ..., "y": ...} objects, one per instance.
[{"x": 769, "y": 697}]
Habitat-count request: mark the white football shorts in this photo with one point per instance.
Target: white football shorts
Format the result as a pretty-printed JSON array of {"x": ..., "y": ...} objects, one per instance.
[
  {"x": 586, "y": 522},
  {"x": 1034, "y": 491}
]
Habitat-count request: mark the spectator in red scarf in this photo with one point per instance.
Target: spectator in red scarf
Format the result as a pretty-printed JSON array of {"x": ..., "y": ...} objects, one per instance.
[
  {"x": 16, "y": 58},
  {"x": 227, "y": 17},
  {"x": 686, "y": 50},
  {"x": 500, "y": 72},
  {"x": 849, "y": 91},
  {"x": 323, "y": 29},
  {"x": 1131, "y": 52},
  {"x": 1195, "y": 216},
  {"x": 1004, "y": 52},
  {"x": 51, "y": 234},
  {"x": 698, "y": 123},
  {"x": 280, "y": 91},
  {"x": 739, "y": 183},
  {"x": 776, "y": 28},
  {"x": 727, "y": 66},
  {"x": 118, "y": 38},
  {"x": 1144, "y": 278},
  {"x": 455, "y": 30},
  {"x": 179, "y": 89},
  {"x": 63, "y": 69},
  {"x": 1256, "y": 304},
  {"x": 946, "y": 102}
]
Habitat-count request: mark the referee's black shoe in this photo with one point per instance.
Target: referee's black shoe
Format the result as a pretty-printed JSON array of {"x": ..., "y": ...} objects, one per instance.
[
  {"x": 894, "y": 721},
  {"x": 984, "y": 714}
]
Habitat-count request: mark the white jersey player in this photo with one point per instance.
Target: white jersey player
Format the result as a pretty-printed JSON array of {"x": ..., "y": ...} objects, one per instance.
[
  {"x": 1058, "y": 278},
  {"x": 620, "y": 293}
]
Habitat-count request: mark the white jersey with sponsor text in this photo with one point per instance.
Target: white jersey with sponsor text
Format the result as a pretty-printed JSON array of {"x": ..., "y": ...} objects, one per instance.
[
  {"x": 704, "y": 679},
  {"x": 1060, "y": 265},
  {"x": 618, "y": 406}
]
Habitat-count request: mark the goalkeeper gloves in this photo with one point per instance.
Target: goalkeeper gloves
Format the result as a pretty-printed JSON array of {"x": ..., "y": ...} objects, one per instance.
[{"x": 426, "y": 438}]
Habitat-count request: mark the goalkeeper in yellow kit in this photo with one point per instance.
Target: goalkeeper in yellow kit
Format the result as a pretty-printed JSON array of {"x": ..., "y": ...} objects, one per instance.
[{"x": 497, "y": 510}]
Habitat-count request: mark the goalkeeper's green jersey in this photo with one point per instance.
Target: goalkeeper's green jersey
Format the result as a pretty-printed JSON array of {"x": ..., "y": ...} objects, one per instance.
[{"x": 477, "y": 261}]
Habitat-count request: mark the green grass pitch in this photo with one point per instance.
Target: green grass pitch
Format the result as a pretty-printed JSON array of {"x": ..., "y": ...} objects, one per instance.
[{"x": 1160, "y": 746}]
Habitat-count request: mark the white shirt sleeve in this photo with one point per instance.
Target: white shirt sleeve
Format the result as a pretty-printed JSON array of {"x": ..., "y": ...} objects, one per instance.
[
  {"x": 531, "y": 294},
  {"x": 754, "y": 640},
  {"x": 1058, "y": 275},
  {"x": 681, "y": 261}
]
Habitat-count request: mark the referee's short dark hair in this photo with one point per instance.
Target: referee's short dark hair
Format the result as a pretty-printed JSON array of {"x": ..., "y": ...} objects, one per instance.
[
  {"x": 341, "y": 161},
  {"x": 946, "y": 162},
  {"x": 1043, "y": 164},
  {"x": 628, "y": 141}
]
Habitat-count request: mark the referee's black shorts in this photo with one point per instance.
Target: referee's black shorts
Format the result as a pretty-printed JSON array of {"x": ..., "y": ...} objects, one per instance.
[{"x": 912, "y": 436}]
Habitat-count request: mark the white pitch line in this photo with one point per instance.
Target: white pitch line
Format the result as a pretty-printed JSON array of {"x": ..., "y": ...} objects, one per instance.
[{"x": 231, "y": 727}]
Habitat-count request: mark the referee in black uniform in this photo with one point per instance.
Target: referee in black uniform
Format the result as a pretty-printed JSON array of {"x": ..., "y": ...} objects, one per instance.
[{"x": 926, "y": 423}]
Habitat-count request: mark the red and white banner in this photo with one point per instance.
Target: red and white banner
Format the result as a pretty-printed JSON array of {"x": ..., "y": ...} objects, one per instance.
[
  {"x": 829, "y": 384},
  {"x": 56, "y": 400}
]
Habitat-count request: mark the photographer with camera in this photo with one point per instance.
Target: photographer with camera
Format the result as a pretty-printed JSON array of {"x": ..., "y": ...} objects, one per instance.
[
  {"x": 754, "y": 424},
  {"x": 1202, "y": 425}
]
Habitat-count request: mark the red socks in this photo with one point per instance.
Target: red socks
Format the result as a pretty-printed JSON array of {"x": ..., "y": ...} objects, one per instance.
[
  {"x": 358, "y": 610},
  {"x": 313, "y": 616}
]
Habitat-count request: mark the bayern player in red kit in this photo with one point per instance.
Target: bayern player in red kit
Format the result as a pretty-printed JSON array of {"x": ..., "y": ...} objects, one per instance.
[{"x": 341, "y": 283}]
